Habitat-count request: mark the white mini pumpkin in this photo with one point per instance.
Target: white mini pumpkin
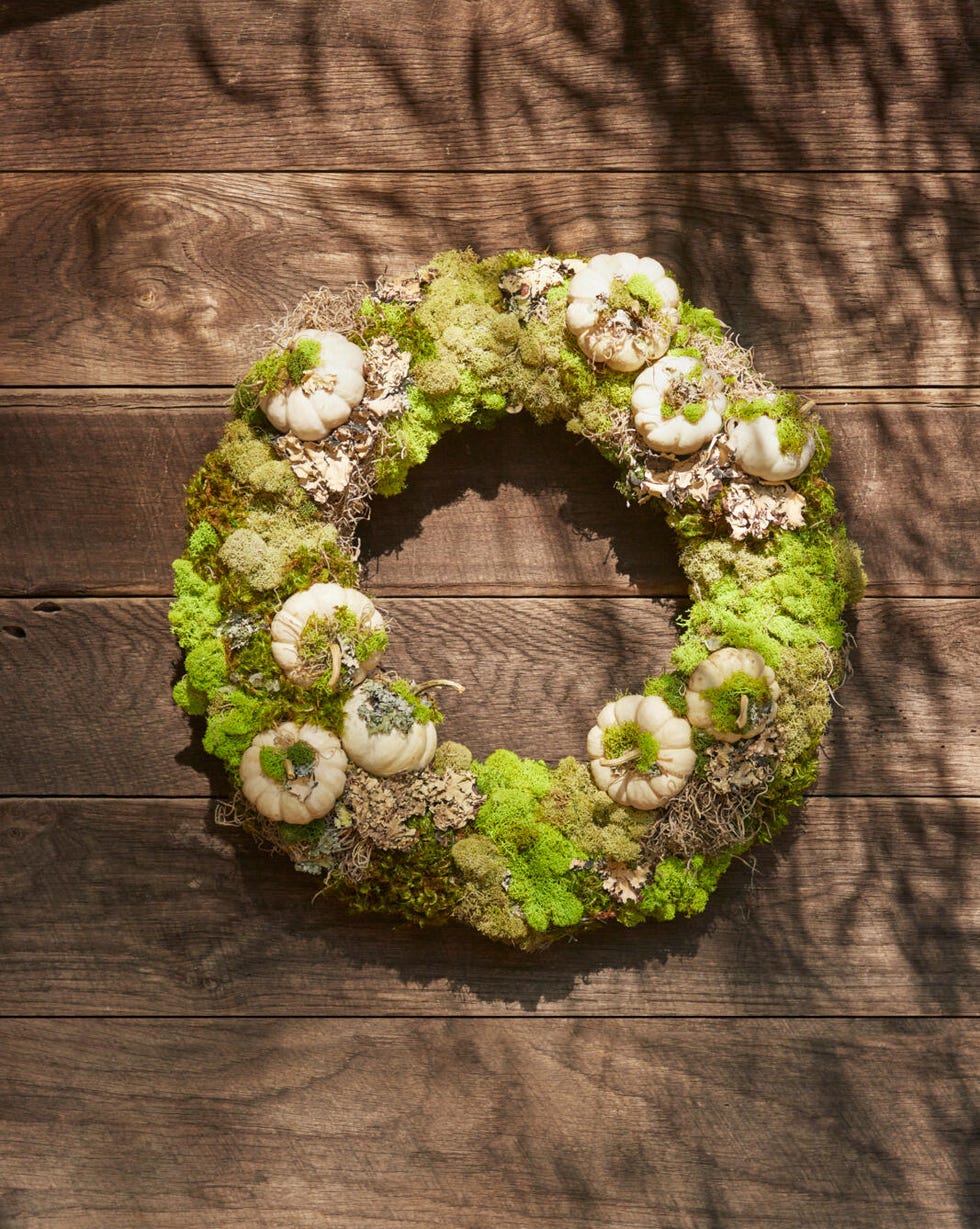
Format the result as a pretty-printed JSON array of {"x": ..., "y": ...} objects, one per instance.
[
  {"x": 617, "y": 339},
  {"x": 675, "y": 761},
  {"x": 755, "y": 443},
  {"x": 311, "y": 791},
  {"x": 321, "y": 600},
  {"x": 327, "y": 393},
  {"x": 675, "y": 434},
  {"x": 385, "y": 753},
  {"x": 718, "y": 669}
]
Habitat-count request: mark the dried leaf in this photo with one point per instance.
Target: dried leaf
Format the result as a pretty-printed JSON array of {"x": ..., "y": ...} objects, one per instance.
[
  {"x": 403, "y": 289},
  {"x": 753, "y": 510},
  {"x": 622, "y": 881},
  {"x": 697, "y": 479},
  {"x": 525, "y": 289},
  {"x": 744, "y": 766}
]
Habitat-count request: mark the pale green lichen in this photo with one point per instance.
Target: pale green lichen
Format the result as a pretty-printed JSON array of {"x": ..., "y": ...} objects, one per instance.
[{"x": 394, "y": 706}]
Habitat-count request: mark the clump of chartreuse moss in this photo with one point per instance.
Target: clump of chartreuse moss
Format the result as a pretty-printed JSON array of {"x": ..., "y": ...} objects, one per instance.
[
  {"x": 671, "y": 688},
  {"x": 270, "y": 375},
  {"x": 473, "y": 361},
  {"x": 625, "y": 739},
  {"x": 726, "y": 701}
]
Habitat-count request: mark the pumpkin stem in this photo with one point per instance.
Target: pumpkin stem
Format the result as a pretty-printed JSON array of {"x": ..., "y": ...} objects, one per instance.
[
  {"x": 628, "y": 758},
  {"x": 335, "y": 659},
  {"x": 427, "y": 686}
]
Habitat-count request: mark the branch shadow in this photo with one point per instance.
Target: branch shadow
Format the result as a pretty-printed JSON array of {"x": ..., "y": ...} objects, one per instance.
[
  {"x": 22, "y": 14},
  {"x": 472, "y": 471}
]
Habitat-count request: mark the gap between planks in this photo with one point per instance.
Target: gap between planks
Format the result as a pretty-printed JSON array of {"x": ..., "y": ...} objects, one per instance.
[{"x": 78, "y": 519}]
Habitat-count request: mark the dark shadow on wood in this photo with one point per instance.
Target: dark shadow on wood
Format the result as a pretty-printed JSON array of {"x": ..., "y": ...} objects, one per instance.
[
  {"x": 18, "y": 14},
  {"x": 536, "y": 461}
]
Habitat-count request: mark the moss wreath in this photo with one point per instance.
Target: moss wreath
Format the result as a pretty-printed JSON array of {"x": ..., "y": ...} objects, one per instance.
[{"x": 335, "y": 761}]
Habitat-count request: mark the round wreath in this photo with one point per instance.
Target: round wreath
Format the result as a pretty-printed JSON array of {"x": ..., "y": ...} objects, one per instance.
[{"x": 335, "y": 761}]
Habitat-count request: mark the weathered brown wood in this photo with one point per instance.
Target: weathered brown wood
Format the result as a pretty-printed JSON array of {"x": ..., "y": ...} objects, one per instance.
[
  {"x": 835, "y": 280},
  {"x": 204, "y": 84},
  {"x": 85, "y": 705},
  {"x": 91, "y": 483},
  {"x": 374, "y": 1124},
  {"x": 130, "y": 906}
]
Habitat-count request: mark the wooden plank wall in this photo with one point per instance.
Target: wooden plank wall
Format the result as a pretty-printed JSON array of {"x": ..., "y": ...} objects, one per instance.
[{"x": 185, "y": 1038}]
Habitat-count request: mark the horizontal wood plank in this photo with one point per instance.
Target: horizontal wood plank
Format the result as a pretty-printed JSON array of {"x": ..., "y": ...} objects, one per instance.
[
  {"x": 132, "y": 84},
  {"x": 378, "y": 1124},
  {"x": 865, "y": 907},
  {"x": 91, "y": 487},
  {"x": 86, "y": 708},
  {"x": 854, "y": 280}
]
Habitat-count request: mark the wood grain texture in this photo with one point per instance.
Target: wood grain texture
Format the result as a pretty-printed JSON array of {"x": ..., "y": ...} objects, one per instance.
[
  {"x": 561, "y": 84},
  {"x": 376, "y": 1124},
  {"x": 854, "y": 280},
  {"x": 86, "y": 708},
  {"x": 91, "y": 489},
  {"x": 133, "y": 906}
]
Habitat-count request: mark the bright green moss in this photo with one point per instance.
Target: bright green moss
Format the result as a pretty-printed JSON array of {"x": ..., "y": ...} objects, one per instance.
[
  {"x": 537, "y": 856},
  {"x": 195, "y": 613},
  {"x": 620, "y": 740},
  {"x": 682, "y": 888},
  {"x": 370, "y": 645},
  {"x": 640, "y": 287},
  {"x": 207, "y": 665},
  {"x": 235, "y": 719},
  {"x": 423, "y": 711},
  {"x": 273, "y": 763},
  {"x": 400, "y": 322},
  {"x": 303, "y": 357},
  {"x": 726, "y": 701},
  {"x": 270, "y": 375},
  {"x": 671, "y": 688},
  {"x": 203, "y": 540},
  {"x": 192, "y": 701},
  {"x": 620, "y": 299},
  {"x": 793, "y": 434},
  {"x": 694, "y": 411},
  {"x": 793, "y": 429},
  {"x": 301, "y": 754},
  {"x": 505, "y": 770},
  {"x": 689, "y": 654},
  {"x": 694, "y": 320},
  {"x": 590, "y": 819}
]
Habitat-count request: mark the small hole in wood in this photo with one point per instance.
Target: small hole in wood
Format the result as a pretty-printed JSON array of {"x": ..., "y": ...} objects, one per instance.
[
  {"x": 12, "y": 630},
  {"x": 47, "y": 607}
]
